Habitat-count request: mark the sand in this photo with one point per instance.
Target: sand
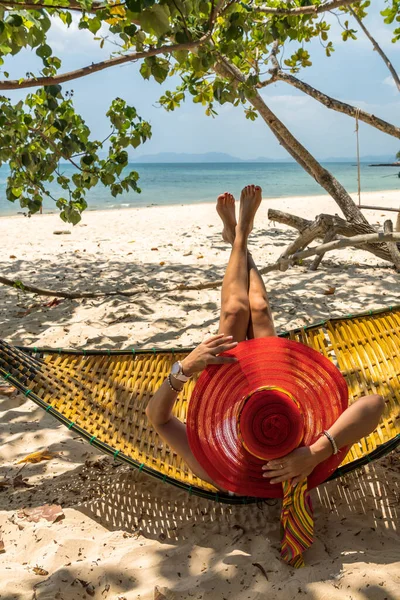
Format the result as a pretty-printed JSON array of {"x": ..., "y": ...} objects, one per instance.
[{"x": 123, "y": 535}]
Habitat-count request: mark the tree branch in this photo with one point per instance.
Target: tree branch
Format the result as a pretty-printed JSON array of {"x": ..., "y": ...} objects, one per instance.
[
  {"x": 313, "y": 9},
  {"x": 71, "y": 5},
  {"x": 335, "y": 104},
  {"x": 17, "y": 284},
  {"x": 16, "y": 84},
  {"x": 378, "y": 49}
]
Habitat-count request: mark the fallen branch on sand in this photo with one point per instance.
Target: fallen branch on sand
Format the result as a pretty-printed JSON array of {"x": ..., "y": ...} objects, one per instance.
[
  {"x": 324, "y": 224},
  {"x": 282, "y": 264},
  {"x": 24, "y": 287}
]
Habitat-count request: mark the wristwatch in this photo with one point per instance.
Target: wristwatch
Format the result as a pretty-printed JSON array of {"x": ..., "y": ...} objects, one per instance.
[{"x": 177, "y": 372}]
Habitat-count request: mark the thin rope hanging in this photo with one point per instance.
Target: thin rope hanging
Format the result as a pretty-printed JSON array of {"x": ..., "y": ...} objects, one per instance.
[{"x": 358, "y": 157}]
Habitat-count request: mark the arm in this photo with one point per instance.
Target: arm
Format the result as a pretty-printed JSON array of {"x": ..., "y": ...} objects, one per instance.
[
  {"x": 354, "y": 423},
  {"x": 159, "y": 409}
]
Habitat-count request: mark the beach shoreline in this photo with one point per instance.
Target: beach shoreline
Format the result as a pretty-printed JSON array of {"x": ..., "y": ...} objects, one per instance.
[
  {"x": 123, "y": 533},
  {"x": 390, "y": 195}
]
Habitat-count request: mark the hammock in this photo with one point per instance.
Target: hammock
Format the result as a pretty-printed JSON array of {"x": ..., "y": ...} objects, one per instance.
[{"x": 102, "y": 395}]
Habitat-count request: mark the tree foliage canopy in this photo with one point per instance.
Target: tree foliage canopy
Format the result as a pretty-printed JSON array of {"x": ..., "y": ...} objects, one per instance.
[{"x": 196, "y": 40}]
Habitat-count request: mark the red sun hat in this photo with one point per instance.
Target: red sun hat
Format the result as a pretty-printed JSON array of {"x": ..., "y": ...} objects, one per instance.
[{"x": 280, "y": 395}]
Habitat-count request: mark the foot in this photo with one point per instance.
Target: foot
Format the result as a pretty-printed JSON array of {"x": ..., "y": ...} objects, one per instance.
[
  {"x": 250, "y": 200},
  {"x": 226, "y": 210}
]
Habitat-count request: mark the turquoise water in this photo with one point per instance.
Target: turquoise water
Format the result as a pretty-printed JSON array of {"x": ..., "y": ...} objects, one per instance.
[{"x": 193, "y": 183}]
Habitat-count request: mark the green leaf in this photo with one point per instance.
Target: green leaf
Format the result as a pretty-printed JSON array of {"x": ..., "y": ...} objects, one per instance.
[
  {"x": 26, "y": 159},
  {"x": 181, "y": 37},
  {"x": 122, "y": 158},
  {"x": 87, "y": 160},
  {"x": 44, "y": 51},
  {"x": 145, "y": 70},
  {"x": 134, "y": 5},
  {"x": 4, "y": 49},
  {"x": 155, "y": 19},
  {"x": 94, "y": 25},
  {"x": 130, "y": 29},
  {"x": 160, "y": 71},
  {"x": 53, "y": 90},
  {"x": 16, "y": 192},
  {"x": 14, "y": 20}
]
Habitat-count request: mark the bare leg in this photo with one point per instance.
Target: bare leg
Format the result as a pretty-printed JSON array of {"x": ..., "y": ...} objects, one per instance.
[
  {"x": 260, "y": 321},
  {"x": 235, "y": 306}
]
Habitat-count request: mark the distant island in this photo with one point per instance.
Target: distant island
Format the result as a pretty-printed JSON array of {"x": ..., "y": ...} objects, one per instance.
[
  {"x": 221, "y": 157},
  {"x": 208, "y": 157}
]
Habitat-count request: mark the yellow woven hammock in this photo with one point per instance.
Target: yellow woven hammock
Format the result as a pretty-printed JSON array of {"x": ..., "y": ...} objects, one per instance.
[{"x": 102, "y": 395}]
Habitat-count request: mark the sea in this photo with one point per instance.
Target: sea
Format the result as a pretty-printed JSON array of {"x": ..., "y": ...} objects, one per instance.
[{"x": 192, "y": 183}]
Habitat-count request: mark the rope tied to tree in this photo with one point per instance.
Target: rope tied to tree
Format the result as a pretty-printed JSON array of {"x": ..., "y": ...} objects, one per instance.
[{"x": 357, "y": 115}]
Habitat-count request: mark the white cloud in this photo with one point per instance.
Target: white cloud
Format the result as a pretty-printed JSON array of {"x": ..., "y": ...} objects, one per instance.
[
  {"x": 72, "y": 40},
  {"x": 389, "y": 81}
]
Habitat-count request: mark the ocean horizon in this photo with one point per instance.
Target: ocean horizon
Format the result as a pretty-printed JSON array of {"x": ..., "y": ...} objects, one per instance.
[{"x": 193, "y": 183}]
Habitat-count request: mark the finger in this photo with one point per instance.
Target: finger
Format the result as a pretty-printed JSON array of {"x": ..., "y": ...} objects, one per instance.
[
  {"x": 222, "y": 360},
  {"x": 278, "y": 473},
  {"x": 278, "y": 462},
  {"x": 274, "y": 466},
  {"x": 273, "y": 472},
  {"x": 213, "y": 338},
  {"x": 280, "y": 478},
  {"x": 296, "y": 480},
  {"x": 220, "y": 340},
  {"x": 223, "y": 348}
]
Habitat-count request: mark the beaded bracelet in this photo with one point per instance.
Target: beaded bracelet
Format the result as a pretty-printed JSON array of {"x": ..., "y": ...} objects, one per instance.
[
  {"x": 332, "y": 441},
  {"x": 171, "y": 386}
]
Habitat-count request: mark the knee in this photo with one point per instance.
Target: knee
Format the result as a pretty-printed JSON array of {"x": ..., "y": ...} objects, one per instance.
[
  {"x": 235, "y": 309},
  {"x": 259, "y": 305}
]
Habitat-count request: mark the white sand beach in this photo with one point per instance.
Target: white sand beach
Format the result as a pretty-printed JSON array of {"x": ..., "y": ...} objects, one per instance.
[{"x": 125, "y": 536}]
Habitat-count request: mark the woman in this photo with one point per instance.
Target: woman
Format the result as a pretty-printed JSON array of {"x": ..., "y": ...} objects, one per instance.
[{"x": 246, "y": 314}]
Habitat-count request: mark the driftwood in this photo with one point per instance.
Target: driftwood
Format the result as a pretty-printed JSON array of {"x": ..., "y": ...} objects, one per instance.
[
  {"x": 393, "y": 249},
  {"x": 329, "y": 237},
  {"x": 323, "y": 224},
  {"x": 25, "y": 287}
]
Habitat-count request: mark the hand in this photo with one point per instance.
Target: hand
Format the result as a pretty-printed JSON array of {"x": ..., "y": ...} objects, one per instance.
[
  {"x": 207, "y": 353},
  {"x": 295, "y": 466}
]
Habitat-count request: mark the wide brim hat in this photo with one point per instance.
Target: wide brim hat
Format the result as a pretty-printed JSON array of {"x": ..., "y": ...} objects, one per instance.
[{"x": 280, "y": 395}]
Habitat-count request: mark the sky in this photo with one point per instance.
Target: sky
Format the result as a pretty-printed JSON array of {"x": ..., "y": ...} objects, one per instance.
[{"x": 354, "y": 74}]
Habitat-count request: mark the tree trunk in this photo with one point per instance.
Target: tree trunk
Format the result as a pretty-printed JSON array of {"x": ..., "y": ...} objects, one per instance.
[
  {"x": 321, "y": 175},
  {"x": 297, "y": 150}
]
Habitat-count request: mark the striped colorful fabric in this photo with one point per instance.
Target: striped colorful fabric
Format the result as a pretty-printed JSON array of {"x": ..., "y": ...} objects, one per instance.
[{"x": 297, "y": 523}]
